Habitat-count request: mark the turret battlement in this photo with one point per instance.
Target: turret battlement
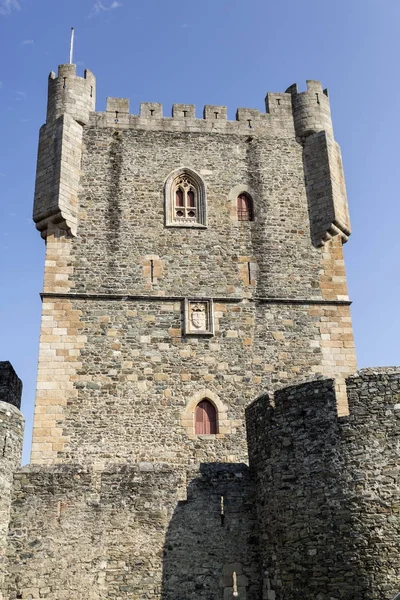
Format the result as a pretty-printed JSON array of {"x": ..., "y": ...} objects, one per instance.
[
  {"x": 69, "y": 93},
  {"x": 311, "y": 109}
]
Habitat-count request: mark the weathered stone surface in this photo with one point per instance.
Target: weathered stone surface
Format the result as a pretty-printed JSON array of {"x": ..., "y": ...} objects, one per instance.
[
  {"x": 11, "y": 435},
  {"x": 132, "y": 533},
  {"x": 10, "y": 385},
  {"x": 328, "y": 493}
]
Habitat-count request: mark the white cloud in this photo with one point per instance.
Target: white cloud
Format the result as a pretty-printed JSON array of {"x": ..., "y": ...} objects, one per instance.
[
  {"x": 6, "y": 6},
  {"x": 27, "y": 42},
  {"x": 1, "y": 84},
  {"x": 99, "y": 7}
]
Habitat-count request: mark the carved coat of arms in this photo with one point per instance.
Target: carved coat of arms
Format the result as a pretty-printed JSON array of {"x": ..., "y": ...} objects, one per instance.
[{"x": 198, "y": 317}]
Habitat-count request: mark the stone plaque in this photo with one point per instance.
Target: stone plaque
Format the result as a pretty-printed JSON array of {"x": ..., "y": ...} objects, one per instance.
[{"x": 199, "y": 317}]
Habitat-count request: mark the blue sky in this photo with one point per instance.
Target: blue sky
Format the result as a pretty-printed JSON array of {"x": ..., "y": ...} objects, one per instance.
[{"x": 226, "y": 52}]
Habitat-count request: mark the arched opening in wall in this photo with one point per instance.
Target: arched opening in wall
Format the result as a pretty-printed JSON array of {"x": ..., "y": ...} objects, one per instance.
[
  {"x": 244, "y": 207},
  {"x": 205, "y": 418}
]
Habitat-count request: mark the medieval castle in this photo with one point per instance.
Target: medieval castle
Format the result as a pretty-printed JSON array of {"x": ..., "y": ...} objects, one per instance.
[{"x": 196, "y": 318}]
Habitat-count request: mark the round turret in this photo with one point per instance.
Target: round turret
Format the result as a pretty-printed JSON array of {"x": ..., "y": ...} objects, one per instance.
[
  {"x": 311, "y": 109},
  {"x": 68, "y": 93},
  {"x": 11, "y": 434}
]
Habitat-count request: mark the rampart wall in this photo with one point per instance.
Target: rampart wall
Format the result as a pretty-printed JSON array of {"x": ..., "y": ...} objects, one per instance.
[
  {"x": 140, "y": 531},
  {"x": 328, "y": 489}
]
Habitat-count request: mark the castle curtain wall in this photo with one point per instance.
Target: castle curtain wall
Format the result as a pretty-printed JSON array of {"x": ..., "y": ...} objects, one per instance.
[{"x": 327, "y": 488}]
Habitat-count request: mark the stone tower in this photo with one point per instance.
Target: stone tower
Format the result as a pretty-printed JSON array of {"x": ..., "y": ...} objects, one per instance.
[
  {"x": 194, "y": 270},
  {"x": 160, "y": 292}
]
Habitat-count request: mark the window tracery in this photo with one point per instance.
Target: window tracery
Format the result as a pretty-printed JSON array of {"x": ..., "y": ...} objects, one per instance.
[{"x": 185, "y": 199}]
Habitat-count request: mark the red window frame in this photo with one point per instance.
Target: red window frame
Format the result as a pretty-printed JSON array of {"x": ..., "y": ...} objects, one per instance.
[
  {"x": 205, "y": 418},
  {"x": 244, "y": 207}
]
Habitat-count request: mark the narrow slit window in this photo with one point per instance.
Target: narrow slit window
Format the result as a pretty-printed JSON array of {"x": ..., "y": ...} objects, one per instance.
[
  {"x": 205, "y": 418},
  {"x": 245, "y": 208}
]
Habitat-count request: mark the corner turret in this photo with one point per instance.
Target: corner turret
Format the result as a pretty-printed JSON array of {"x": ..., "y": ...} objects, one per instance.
[
  {"x": 322, "y": 159},
  {"x": 68, "y": 93},
  {"x": 71, "y": 100},
  {"x": 311, "y": 109}
]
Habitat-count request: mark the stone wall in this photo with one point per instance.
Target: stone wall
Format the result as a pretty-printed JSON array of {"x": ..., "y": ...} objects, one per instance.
[
  {"x": 328, "y": 489},
  {"x": 11, "y": 435},
  {"x": 116, "y": 378},
  {"x": 133, "y": 532}
]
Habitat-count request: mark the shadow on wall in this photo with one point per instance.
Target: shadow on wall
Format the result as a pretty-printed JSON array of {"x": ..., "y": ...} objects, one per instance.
[
  {"x": 211, "y": 545},
  {"x": 327, "y": 489}
]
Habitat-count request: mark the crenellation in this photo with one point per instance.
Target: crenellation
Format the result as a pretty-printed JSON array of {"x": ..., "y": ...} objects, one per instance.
[
  {"x": 214, "y": 112},
  {"x": 151, "y": 110},
  {"x": 278, "y": 104},
  {"x": 249, "y": 116},
  {"x": 117, "y": 105},
  {"x": 184, "y": 111}
]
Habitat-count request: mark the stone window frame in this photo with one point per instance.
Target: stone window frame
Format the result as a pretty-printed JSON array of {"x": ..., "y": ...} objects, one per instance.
[
  {"x": 233, "y": 196},
  {"x": 224, "y": 425},
  {"x": 198, "y": 185}
]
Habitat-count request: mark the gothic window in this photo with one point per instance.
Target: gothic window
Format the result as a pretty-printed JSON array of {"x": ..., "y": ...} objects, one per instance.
[
  {"x": 185, "y": 199},
  {"x": 244, "y": 206},
  {"x": 205, "y": 418}
]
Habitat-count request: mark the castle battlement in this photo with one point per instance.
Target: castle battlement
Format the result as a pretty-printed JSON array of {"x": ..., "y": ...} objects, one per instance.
[
  {"x": 287, "y": 114},
  {"x": 277, "y": 120}
]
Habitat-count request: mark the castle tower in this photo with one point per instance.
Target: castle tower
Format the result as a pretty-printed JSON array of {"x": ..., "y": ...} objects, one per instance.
[
  {"x": 11, "y": 435},
  {"x": 189, "y": 267},
  {"x": 194, "y": 268}
]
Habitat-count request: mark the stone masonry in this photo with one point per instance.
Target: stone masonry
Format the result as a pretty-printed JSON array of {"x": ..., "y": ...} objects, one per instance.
[
  {"x": 161, "y": 299},
  {"x": 11, "y": 435},
  {"x": 328, "y": 493}
]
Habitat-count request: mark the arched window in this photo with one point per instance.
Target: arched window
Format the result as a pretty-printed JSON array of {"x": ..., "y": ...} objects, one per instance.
[
  {"x": 205, "y": 418},
  {"x": 185, "y": 199},
  {"x": 244, "y": 204}
]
